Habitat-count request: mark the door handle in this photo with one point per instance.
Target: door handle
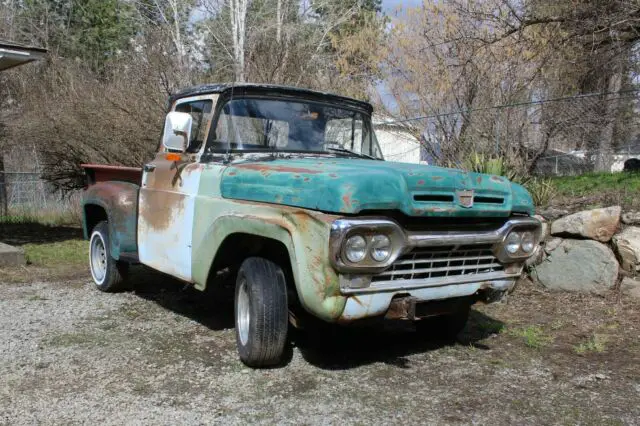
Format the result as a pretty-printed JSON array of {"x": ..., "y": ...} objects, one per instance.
[{"x": 149, "y": 167}]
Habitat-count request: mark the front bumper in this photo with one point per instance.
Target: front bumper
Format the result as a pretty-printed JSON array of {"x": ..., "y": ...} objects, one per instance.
[
  {"x": 437, "y": 266},
  {"x": 376, "y": 304}
]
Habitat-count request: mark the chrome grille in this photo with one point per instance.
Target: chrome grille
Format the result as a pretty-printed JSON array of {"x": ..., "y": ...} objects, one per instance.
[{"x": 439, "y": 263}]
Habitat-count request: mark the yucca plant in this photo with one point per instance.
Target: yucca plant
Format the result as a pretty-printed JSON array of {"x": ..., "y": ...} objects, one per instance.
[
  {"x": 493, "y": 165},
  {"x": 542, "y": 190}
]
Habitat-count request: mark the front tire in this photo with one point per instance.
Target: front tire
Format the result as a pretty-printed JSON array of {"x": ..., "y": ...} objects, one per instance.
[
  {"x": 108, "y": 274},
  {"x": 261, "y": 312}
]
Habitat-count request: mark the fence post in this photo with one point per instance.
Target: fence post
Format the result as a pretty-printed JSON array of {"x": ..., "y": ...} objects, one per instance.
[
  {"x": 497, "y": 148},
  {"x": 3, "y": 189}
]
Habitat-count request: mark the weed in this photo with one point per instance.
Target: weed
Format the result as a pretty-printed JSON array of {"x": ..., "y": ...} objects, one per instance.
[
  {"x": 533, "y": 335},
  {"x": 36, "y": 297},
  {"x": 596, "y": 343},
  {"x": 542, "y": 190}
]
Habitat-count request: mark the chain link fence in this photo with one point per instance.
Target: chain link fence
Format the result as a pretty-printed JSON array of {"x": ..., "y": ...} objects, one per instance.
[
  {"x": 25, "y": 196},
  {"x": 562, "y": 136}
]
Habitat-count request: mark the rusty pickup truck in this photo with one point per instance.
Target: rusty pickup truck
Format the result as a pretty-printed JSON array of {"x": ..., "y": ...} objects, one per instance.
[{"x": 284, "y": 192}]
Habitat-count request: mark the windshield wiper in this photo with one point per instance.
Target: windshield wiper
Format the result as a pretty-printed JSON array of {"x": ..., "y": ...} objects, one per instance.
[{"x": 348, "y": 151}]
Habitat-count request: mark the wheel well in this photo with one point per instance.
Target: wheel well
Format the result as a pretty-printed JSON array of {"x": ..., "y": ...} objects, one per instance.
[
  {"x": 93, "y": 215},
  {"x": 239, "y": 246}
]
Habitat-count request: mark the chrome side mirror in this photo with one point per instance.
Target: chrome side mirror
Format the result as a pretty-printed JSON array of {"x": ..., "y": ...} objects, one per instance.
[{"x": 177, "y": 131}]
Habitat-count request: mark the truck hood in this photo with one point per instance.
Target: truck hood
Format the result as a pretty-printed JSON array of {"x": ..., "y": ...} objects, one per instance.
[{"x": 351, "y": 186}]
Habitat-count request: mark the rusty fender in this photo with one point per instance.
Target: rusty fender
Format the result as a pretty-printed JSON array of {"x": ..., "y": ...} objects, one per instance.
[
  {"x": 120, "y": 202},
  {"x": 304, "y": 233}
]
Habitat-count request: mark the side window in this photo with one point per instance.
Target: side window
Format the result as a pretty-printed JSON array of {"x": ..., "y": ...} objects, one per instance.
[
  {"x": 242, "y": 129},
  {"x": 201, "y": 112}
]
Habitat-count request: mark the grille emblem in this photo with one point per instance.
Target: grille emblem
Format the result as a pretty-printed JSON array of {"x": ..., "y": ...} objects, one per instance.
[{"x": 465, "y": 198}]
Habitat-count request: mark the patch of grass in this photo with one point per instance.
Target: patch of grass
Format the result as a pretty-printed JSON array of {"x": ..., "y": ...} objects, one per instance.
[
  {"x": 596, "y": 343},
  {"x": 75, "y": 339},
  {"x": 54, "y": 255},
  {"x": 597, "y": 183},
  {"x": 533, "y": 335},
  {"x": 50, "y": 261},
  {"x": 63, "y": 212}
]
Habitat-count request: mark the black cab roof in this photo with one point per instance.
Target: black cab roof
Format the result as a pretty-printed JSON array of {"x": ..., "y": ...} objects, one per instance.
[{"x": 244, "y": 89}]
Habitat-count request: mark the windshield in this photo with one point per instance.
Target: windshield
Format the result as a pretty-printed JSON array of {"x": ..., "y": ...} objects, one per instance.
[{"x": 249, "y": 124}]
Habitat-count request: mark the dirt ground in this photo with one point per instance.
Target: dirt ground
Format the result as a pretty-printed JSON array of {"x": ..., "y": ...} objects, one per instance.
[{"x": 161, "y": 355}]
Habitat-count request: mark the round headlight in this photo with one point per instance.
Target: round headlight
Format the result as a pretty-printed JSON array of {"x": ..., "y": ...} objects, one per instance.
[
  {"x": 380, "y": 248},
  {"x": 355, "y": 249},
  {"x": 512, "y": 243},
  {"x": 528, "y": 242}
]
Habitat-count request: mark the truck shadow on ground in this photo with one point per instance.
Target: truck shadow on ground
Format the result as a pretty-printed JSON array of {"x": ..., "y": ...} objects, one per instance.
[
  {"x": 326, "y": 347},
  {"x": 388, "y": 342},
  {"x": 18, "y": 234}
]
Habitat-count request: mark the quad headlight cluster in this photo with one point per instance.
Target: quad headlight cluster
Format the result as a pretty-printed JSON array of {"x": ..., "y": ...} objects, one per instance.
[
  {"x": 370, "y": 245},
  {"x": 518, "y": 244},
  {"x": 365, "y": 245},
  {"x": 358, "y": 247}
]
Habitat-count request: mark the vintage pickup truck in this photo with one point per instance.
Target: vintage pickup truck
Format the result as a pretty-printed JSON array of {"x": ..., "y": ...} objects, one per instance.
[{"x": 285, "y": 191}]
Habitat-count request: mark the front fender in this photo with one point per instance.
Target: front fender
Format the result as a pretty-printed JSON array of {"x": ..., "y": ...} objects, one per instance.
[
  {"x": 120, "y": 202},
  {"x": 306, "y": 238}
]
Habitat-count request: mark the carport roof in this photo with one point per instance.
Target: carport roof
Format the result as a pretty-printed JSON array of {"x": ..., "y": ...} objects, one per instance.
[{"x": 14, "y": 54}]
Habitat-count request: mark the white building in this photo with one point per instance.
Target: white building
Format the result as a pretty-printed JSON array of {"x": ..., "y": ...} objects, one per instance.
[{"x": 397, "y": 141}]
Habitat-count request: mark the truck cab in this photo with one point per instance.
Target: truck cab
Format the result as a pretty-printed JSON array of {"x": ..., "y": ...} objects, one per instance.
[{"x": 285, "y": 193}]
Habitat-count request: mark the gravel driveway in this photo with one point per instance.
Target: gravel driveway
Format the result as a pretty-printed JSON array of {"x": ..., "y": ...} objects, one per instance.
[{"x": 160, "y": 355}]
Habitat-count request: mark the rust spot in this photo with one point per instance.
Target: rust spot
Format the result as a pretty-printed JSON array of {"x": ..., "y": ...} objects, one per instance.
[
  {"x": 440, "y": 210},
  {"x": 333, "y": 175},
  {"x": 232, "y": 173},
  {"x": 436, "y": 178},
  {"x": 421, "y": 182},
  {"x": 497, "y": 179},
  {"x": 357, "y": 300},
  {"x": 267, "y": 168},
  {"x": 346, "y": 200},
  {"x": 306, "y": 179},
  {"x": 479, "y": 179}
]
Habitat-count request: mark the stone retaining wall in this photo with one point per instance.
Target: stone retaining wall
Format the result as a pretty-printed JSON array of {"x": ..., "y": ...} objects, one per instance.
[{"x": 590, "y": 251}]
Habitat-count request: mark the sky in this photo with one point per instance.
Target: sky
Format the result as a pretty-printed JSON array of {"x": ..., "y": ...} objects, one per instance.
[{"x": 389, "y": 6}]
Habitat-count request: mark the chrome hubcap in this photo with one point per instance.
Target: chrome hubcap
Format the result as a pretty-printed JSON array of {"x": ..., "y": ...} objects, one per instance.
[
  {"x": 242, "y": 313},
  {"x": 98, "y": 257}
]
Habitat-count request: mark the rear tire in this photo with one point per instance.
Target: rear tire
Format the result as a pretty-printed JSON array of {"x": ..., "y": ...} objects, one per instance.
[
  {"x": 108, "y": 274},
  {"x": 444, "y": 327},
  {"x": 261, "y": 312}
]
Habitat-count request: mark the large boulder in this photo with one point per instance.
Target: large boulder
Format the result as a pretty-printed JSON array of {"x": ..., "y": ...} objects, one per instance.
[
  {"x": 630, "y": 287},
  {"x": 552, "y": 213},
  {"x": 631, "y": 218},
  {"x": 579, "y": 265},
  {"x": 544, "y": 234},
  {"x": 627, "y": 245},
  {"x": 597, "y": 224}
]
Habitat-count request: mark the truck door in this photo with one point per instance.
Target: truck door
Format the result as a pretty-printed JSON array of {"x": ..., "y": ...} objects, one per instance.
[{"x": 167, "y": 196}]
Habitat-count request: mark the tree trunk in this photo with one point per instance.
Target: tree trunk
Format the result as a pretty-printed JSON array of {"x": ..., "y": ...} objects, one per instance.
[
  {"x": 238, "y": 12},
  {"x": 605, "y": 146}
]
